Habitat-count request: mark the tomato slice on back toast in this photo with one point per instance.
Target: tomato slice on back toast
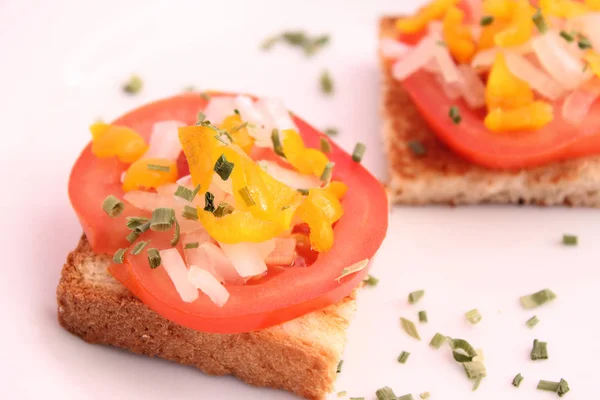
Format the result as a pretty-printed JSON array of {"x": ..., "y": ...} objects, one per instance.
[{"x": 282, "y": 295}]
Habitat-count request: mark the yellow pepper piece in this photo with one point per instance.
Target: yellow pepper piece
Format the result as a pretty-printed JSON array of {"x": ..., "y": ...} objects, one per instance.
[
  {"x": 305, "y": 160},
  {"x": 593, "y": 61},
  {"x": 457, "y": 36},
  {"x": 498, "y": 8},
  {"x": 593, "y": 4},
  {"x": 520, "y": 28},
  {"x": 487, "y": 39},
  {"x": 504, "y": 90},
  {"x": 240, "y": 226},
  {"x": 199, "y": 146},
  {"x": 112, "y": 140},
  {"x": 339, "y": 189},
  {"x": 140, "y": 176},
  {"x": 563, "y": 8},
  {"x": 320, "y": 209},
  {"x": 530, "y": 117},
  {"x": 431, "y": 12},
  {"x": 241, "y": 137}
]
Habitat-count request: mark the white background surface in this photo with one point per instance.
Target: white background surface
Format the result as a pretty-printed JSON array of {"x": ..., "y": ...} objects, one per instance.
[{"x": 62, "y": 63}]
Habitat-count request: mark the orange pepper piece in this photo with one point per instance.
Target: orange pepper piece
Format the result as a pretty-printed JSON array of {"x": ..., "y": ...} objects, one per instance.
[
  {"x": 530, "y": 117},
  {"x": 320, "y": 209},
  {"x": 504, "y": 90},
  {"x": 142, "y": 174},
  {"x": 240, "y": 136},
  {"x": 431, "y": 12},
  {"x": 457, "y": 36},
  {"x": 112, "y": 140}
]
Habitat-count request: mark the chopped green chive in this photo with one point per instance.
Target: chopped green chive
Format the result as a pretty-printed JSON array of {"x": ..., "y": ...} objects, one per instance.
[
  {"x": 486, "y": 20},
  {"x": 325, "y": 145},
  {"x": 417, "y": 148},
  {"x": 342, "y": 393},
  {"x": 567, "y": 36},
  {"x": 239, "y": 127},
  {"x": 154, "y": 258},
  {"x": 539, "y": 350},
  {"x": 370, "y": 280},
  {"x": 205, "y": 96},
  {"x": 190, "y": 212},
  {"x": 560, "y": 388},
  {"x": 454, "y": 115},
  {"x": 462, "y": 351},
  {"x": 424, "y": 395},
  {"x": 298, "y": 39},
  {"x": 359, "y": 152},
  {"x": 277, "y": 146},
  {"x": 162, "y": 168},
  {"x": 516, "y": 382},
  {"x": 269, "y": 42},
  {"x": 162, "y": 219},
  {"x": 236, "y": 111},
  {"x": 584, "y": 43},
  {"x": 403, "y": 357},
  {"x": 415, "y": 296},
  {"x": 200, "y": 118},
  {"x": 187, "y": 194},
  {"x": 357, "y": 398},
  {"x": 437, "y": 341},
  {"x": 440, "y": 43},
  {"x": 533, "y": 321},
  {"x": 303, "y": 192},
  {"x": 209, "y": 204},
  {"x": 569, "y": 240},
  {"x": 327, "y": 172},
  {"x": 537, "y": 299},
  {"x": 223, "y": 209},
  {"x": 477, "y": 382},
  {"x": 423, "y": 317},
  {"x": 410, "y": 328},
  {"x": 133, "y": 85},
  {"x": 359, "y": 266},
  {"x": 190, "y": 88},
  {"x": 326, "y": 82},
  {"x": 119, "y": 256},
  {"x": 112, "y": 206},
  {"x": 223, "y": 168},
  {"x": 177, "y": 234},
  {"x": 245, "y": 194},
  {"x": 192, "y": 245},
  {"x": 133, "y": 236},
  {"x": 134, "y": 222},
  {"x": 339, "y": 367},
  {"x": 143, "y": 228},
  {"x": 331, "y": 131},
  {"x": 311, "y": 47},
  {"x": 473, "y": 316},
  {"x": 475, "y": 370},
  {"x": 406, "y": 397},
  {"x": 137, "y": 249},
  {"x": 385, "y": 393},
  {"x": 540, "y": 22}
]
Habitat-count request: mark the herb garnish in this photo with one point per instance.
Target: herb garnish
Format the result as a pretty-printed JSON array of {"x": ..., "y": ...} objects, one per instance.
[
  {"x": 410, "y": 328},
  {"x": 245, "y": 194},
  {"x": 133, "y": 85},
  {"x": 415, "y": 296},
  {"x": 569, "y": 240},
  {"x": 561, "y": 388},
  {"x": 540, "y": 22},
  {"x": 454, "y": 115},
  {"x": 424, "y": 395},
  {"x": 191, "y": 245},
  {"x": 403, "y": 357},
  {"x": 133, "y": 236},
  {"x": 326, "y": 82},
  {"x": 417, "y": 148},
  {"x": 473, "y": 316},
  {"x": 310, "y": 45},
  {"x": 359, "y": 266},
  {"x": 209, "y": 204},
  {"x": 325, "y": 145},
  {"x": 119, "y": 256},
  {"x": 187, "y": 194},
  {"x": 223, "y": 209},
  {"x": 370, "y": 280},
  {"x": 423, "y": 317},
  {"x": 517, "y": 380},
  {"x": 162, "y": 168},
  {"x": 385, "y": 393},
  {"x": 359, "y": 152},
  {"x": 223, "y": 168},
  {"x": 339, "y": 367},
  {"x": 537, "y": 299},
  {"x": 533, "y": 321},
  {"x": 137, "y": 249},
  {"x": 567, "y": 36},
  {"x": 539, "y": 350},
  {"x": 437, "y": 341},
  {"x": 154, "y": 258},
  {"x": 486, "y": 20},
  {"x": 112, "y": 206},
  {"x": 303, "y": 192},
  {"x": 406, "y": 397},
  {"x": 177, "y": 234},
  {"x": 277, "y": 146},
  {"x": 584, "y": 43},
  {"x": 162, "y": 219},
  {"x": 190, "y": 212},
  {"x": 327, "y": 172},
  {"x": 134, "y": 222},
  {"x": 331, "y": 131},
  {"x": 205, "y": 96}
]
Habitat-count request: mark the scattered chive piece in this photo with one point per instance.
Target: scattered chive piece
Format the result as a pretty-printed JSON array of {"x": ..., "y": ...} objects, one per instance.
[
  {"x": 359, "y": 152},
  {"x": 192, "y": 245},
  {"x": 473, "y": 316},
  {"x": 269, "y": 42},
  {"x": 540, "y": 22},
  {"x": 223, "y": 209},
  {"x": 325, "y": 146},
  {"x": 423, "y": 317},
  {"x": 584, "y": 43},
  {"x": 339, "y": 367},
  {"x": 154, "y": 258},
  {"x": 486, "y": 20},
  {"x": 245, "y": 193},
  {"x": 209, "y": 204},
  {"x": 154, "y": 167},
  {"x": 223, "y": 167},
  {"x": 277, "y": 147},
  {"x": 186, "y": 193},
  {"x": 326, "y": 82},
  {"x": 299, "y": 39},
  {"x": 137, "y": 249},
  {"x": 238, "y": 127},
  {"x": 537, "y": 299},
  {"x": 134, "y": 222},
  {"x": 162, "y": 219},
  {"x": 119, "y": 256},
  {"x": 517, "y": 380},
  {"x": 112, "y": 206},
  {"x": 190, "y": 88},
  {"x": 312, "y": 46},
  {"x": 462, "y": 351},
  {"x": 437, "y": 341},
  {"x": 477, "y": 382},
  {"x": 410, "y": 328},
  {"x": 133, "y": 236},
  {"x": 303, "y": 192},
  {"x": 331, "y": 131},
  {"x": 567, "y": 36},
  {"x": 454, "y": 115},
  {"x": 205, "y": 96},
  {"x": 200, "y": 118},
  {"x": 406, "y": 397},
  {"x": 357, "y": 398},
  {"x": 236, "y": 111},
  {"x": 403, "y": 357},
  {"x": 415, "y": 296},
  {"x": 560, "y": 388},
  {"x": 563, "y": 387},
  {"x": 385, "y": 393},
  {"x": 327, "y": 172},
  {"x": 133, "y": 85},
  {"x": 424, "y": 395},
  {"x": 533, "y": 321},
  {"x": 539, "y": 350},
  {"x": 441, "y": 43},
  {"x": 143, "y": 228},
  {"x": 370, "y": 280},
  {"x": 417, "y": 148},
  {"x": 569, "y": 240},
  {"x": 342, "y": 393},
  {"x": 359, "y": 266},
  {"x": 190, "y": 212},
  {"x": 177, "y": 234},
  {"x": 474, "y": 369}
]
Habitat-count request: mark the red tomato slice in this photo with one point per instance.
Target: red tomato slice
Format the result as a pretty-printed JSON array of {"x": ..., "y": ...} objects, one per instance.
[
  {"x": 559, "y": 140},
  {"x": 281, "y": 295}
]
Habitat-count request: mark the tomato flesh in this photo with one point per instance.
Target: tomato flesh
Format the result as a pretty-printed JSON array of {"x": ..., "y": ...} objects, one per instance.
[{"x": 283, "y": 295}]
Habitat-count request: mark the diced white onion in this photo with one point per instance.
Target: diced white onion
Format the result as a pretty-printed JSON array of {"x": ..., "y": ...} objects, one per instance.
[
  {"x": 415, "y": 59},
  {"x": 208, "y": 284},
  {"x": 261, "y": 126},
  {"x": 284, "y": 252},
  {"x": 471, "y": 86},
  {"x": 219, "y": 108},
  {"x": 578, "y": 103},
  {"x": 445, "y": 62},
  {"x": 164, "y": 140},
  {"x": 535, "y": 77},
  {"x": 246, "y": 258},
  {"x": 483, "y": 60},
  {"x": 451, "y": 90},
  {"x": 391, "y": 48},
  {"x": 557, "y": 61},
  {"x": 220, "y": 265},
  {"x": 277, "y": 113},
  {"x": 292, "y": 178},
  {"x": 178, "y": 272}
]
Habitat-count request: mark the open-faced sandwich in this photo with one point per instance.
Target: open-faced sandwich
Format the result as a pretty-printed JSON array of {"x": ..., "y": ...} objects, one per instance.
[
  {"x": 493, "y": 101},
  {"x": 222, "y": 232}
]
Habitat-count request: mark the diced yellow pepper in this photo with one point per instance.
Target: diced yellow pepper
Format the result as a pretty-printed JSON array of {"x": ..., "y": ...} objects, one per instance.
[
  {"x": 593, "y": 61},
  {"x": 487, "y": 39},
  {"x": 140, "y": 176},
  {"x": 529, "y": 117},
  {"x": 199, "y": 146},
  {"x": 240, "y": 136},
  {"x": 112, "y": 140},
  {"x": 498, "y": 8},
  {"x": 457, "y": 36},
  {"x": 339, "y": 189},
  {"x": 431, "y": 12},
  {"x": 504, "y": 90},
  {"x": 593, "y": 4},
  {"x": 239, "y": 226},
  {"x": 305, "y": 160},
  {"x": 320, "y": 209},
  {"x": 520, "y": 28},
  {"x": 563, "y": 8}
]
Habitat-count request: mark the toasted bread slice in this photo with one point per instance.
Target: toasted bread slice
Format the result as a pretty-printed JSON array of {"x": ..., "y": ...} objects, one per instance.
[
  {"x": 441, "y": 176},
  {"x": 300, "y": 356}
]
